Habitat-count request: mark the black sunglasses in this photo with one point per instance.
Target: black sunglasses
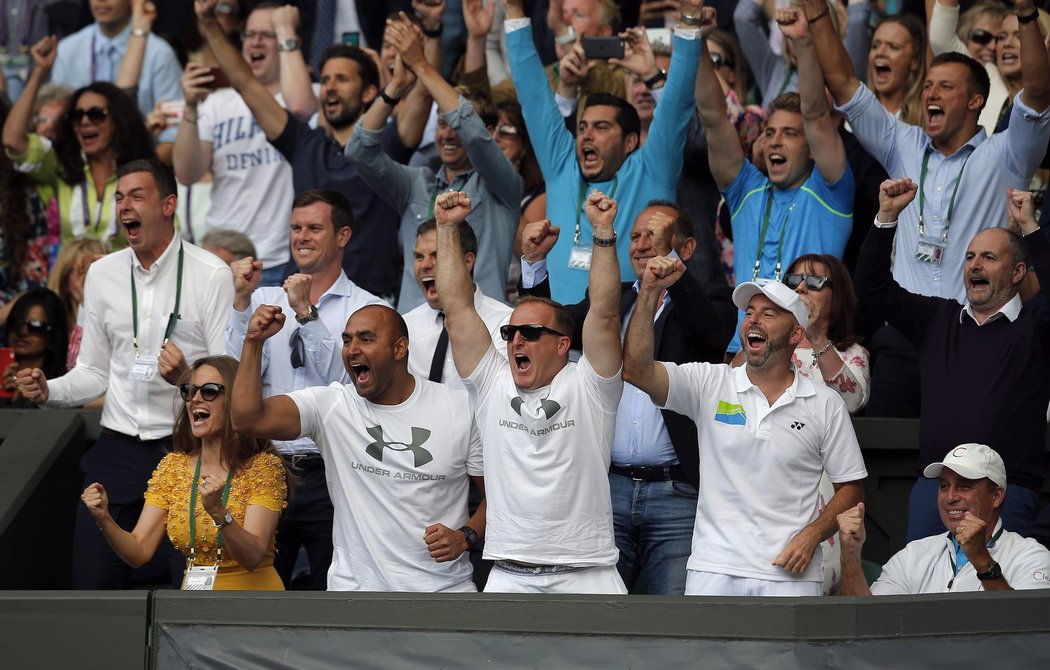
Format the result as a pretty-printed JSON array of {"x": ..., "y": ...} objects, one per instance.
[
  {"x": 719, "y": 60},
  {"x": 530, "y": 332},
  {"x": 813, "y": 282},
  {"x": 95, "y": 114},
  {"x": 298, "y": 355},
  {"x": 33, "y": 326},
  {"x": 982, "y": 37},
  {"x": 209, "y": 391}
]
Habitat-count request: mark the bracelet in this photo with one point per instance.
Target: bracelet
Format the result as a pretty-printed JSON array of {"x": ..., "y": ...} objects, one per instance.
[
  {"x": 139, "y": 32},
  {"x": 687, "y": 20},
  {"x": 655, "y": 79},
  {"x": 1028, "y": 18},
  {"x": 388, "y": 100},
  {"x": 605, "y": 242},
  {"x": 436, "y": 32},
  {"x": 824, "y": 350},
  {"x": 818, "y": 16},
  {"x": 189, "y": 120}
]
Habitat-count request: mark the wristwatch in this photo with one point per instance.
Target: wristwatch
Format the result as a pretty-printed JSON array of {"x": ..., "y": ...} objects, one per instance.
[
  {"x": 993, "y": 572},
  {"x": 472, "y": 536},
  {"x": 290, "y": 44},
  {"x": 311, "y": 315},
  {"x": 226, "y": 521}
]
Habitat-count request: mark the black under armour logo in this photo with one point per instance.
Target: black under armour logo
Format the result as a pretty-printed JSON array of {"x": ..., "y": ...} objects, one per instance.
[
  {"x": 419, "y": 436},
  {"x": 797, "y": 425},
  {"x": 549, "y": 407}
]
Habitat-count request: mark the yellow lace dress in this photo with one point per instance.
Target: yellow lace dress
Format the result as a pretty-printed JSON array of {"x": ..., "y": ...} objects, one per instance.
[{"x": 260, "y": 481}]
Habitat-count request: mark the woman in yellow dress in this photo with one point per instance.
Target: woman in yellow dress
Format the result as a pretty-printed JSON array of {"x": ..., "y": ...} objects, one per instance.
[{"x": 235, "y": 485}]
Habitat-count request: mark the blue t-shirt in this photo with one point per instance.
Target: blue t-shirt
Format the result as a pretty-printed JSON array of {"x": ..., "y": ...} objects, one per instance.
[{"x": 815, "y": 218}]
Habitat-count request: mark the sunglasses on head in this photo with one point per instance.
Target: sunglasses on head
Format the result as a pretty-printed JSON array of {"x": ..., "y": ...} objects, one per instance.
[
  {"x": 813, "y": 282},
  {"x": 209, "y": 391},
  {"x": 719, "y": 60},
  {"x": 508, "y": 130},
  {"x": 95, "y": 114},
  {"x": 982, "y": 37},
  {"x": 33, "y": 326},
  {"x": 530, "y": 332}
]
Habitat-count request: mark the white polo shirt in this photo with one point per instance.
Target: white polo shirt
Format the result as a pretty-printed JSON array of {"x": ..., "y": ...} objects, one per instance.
[
  {"x": 759, "y": 465},
  {"x": 393, "y": 470},
  {"x": 925, "y": 566},
  {"x": 547, "y": 463}
]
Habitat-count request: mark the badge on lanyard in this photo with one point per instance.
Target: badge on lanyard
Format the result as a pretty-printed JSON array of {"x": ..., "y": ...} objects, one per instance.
[
  {"x": 929, "y": 252},
  {"x": 200, "y": 578},
  {"x": 580, "y": 257},
  {"x": 15, "y": 66},
  {"x": 144, "y": 369}
]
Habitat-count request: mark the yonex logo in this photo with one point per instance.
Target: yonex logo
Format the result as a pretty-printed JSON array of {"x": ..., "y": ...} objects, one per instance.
[
  {"x": 549, "y": 407},
  {"x": 419, "y": 437},
  {"x": 798, "y": 425}
]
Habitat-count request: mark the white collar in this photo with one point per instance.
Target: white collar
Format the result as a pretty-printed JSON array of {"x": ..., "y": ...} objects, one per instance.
[{"x": 1010, "y": 311}]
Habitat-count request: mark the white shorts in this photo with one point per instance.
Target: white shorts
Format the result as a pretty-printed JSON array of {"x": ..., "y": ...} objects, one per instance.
[
  {"x": 714, "y": 584},
  {"x": 603, "y": 579}
]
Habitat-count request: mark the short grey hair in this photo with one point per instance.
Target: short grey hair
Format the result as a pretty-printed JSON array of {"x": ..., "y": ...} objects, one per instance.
[{"x": 236, "y": 243}]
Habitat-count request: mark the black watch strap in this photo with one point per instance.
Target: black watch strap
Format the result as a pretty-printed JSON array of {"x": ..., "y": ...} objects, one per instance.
[
  {"x": 472, "y": 536},
  {"x": 1028, "y": 18},
  {"x": 387, "y": 99},
  {"x": 994, "y": 572},
  {"x": 655, "y": 79}
]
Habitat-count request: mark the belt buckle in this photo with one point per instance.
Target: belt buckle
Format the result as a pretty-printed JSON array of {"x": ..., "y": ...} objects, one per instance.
[{"x": 635, "y": 477}]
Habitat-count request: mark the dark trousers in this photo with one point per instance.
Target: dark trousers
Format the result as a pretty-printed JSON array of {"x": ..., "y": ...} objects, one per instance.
[
  {"x": 123, "y": 465},
  {"x": 895, "y": 382},
  {"x": 307, "y": 524}
]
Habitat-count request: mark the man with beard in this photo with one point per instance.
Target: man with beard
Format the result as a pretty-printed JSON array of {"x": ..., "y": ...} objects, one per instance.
[
  {"x": 805, "y": 203},
  {"x": 983, "y": 362},
  {"x": 349, "y": 83},
  {"x": 765, "y": 434},
  {"x": 319, "y": 296},
  {"x": 398, "y": 451}
]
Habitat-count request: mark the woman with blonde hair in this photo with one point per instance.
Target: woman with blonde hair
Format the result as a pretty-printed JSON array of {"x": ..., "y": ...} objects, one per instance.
[{"x": 67, "y": 281}]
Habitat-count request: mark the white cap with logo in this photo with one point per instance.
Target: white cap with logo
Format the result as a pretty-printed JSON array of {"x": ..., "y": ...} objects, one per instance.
[
  {"x": 972, "y": 461},
  {"x": 779, "y": 293}
]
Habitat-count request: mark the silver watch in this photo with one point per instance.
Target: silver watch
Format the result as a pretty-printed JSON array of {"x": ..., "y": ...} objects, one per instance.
[
  {"x": 290, "y": 44},
  {"x": 311, "y": 315},
  {"x": 226, "y": 521}
]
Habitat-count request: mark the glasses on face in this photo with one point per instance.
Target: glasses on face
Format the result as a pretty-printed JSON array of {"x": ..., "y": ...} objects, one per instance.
[
  {"x": 209, "y": 391},
  {"x": 298, "y": 355},
  {"x": 33, "y": 326},
  {"x": 507, "y": 130},
  {"x": 982, "y": 37},
  {"x": 719, "y": 60},
  {"x": 530, "y": 332},
  {"x": 267, "y": 35},
  {"x": 813, "y": 282},
  {"x": 95, "y": 114}
]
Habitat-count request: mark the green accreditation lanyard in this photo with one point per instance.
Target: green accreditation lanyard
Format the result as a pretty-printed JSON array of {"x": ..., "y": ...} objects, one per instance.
[
  {"x": 765, "y": 229},
  {"x": 579, "y": 204},
  {"x": 787, "y": 80},
  {"x": 86, "y": 211},
  {"x": 433, "y": 198},
  {"x": 951, "y": 202},
  {"x": 951, "y": 559},
  {"x": 193, "y": 512},
  {"x": 173, "y": 318}
]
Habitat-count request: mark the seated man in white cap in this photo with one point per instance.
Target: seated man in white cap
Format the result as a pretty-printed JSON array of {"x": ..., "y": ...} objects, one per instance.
[
  {"x": 765, "y": 435},
  {"x": 976, "y": 555}
]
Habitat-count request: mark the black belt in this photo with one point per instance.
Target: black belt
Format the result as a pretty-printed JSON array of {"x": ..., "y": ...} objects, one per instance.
[
  {"x": 665, "y": 473},
  {"x": 303, "y": 461}
]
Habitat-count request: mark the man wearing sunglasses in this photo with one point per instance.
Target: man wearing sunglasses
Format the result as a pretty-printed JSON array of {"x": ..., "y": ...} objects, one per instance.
[
  {"x": 653, "y": 476},
  {"x": 398, "y": 452},
  {"x": 150, "y": 309},
  {"x": 304, "y": 354},
  {"x": 765, "y": 434},
  {"x": 546, "y": 423}
]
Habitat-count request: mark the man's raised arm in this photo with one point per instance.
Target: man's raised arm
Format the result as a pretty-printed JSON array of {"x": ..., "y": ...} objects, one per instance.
[
  {"x": 467, "y": 334},
  {"x": 639, "y": 365},
  {"x": 276, "y": 417},
  {"x": 724, "y": 153},
  {"x": 601, "y": 326},
  {"x": 1035, "y": 66},
  {"x": 834, "y": 61}
]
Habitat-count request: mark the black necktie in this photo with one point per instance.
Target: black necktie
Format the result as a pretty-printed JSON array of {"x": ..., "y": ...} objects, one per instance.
[{"x": 437, "y": 365}]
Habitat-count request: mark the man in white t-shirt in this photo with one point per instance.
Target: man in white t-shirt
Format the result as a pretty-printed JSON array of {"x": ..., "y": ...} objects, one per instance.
[
  {"x": 547, "y": 424},
  {"x": 429, "y": 355},
  {"x": 978, "y": 554},
  {"x": 252, "y": 189},
  {"x": 398, "y": 451},
  {"x": 765, "y": 434}
]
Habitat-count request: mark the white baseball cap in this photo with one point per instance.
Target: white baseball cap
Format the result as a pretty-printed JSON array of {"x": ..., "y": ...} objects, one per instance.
[
  {"x": 779, "y": 293},
  {"x": 973, "y": 461}
]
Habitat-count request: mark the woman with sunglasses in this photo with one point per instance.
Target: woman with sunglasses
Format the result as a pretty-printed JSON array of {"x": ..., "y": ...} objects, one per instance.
[
  {"x": 974, "y": 33},
  {"x": 36, "y": 332},
  {"x": 100, "y": 129},
  {"x": 830, "y": 353},
  {"x": 218, "y": 495}
]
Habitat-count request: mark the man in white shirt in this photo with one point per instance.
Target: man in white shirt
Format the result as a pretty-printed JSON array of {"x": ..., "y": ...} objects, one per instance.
[
  {"x": 398, "y": 451},
  {"x": 547, "y": 424},
  {"x": 978, "y": 554},
  {"x": 150, "y": 310},
  {"x": 765, "y": 435},
  {"x": 430, "y": 356},
  {"x": 319, "y": 296}
]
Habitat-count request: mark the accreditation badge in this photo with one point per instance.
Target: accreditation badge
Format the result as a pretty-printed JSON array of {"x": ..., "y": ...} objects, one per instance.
[
  {"x": 144, "y": 369},
  {"x": 929, "y": 252},
  {"x": 200, "y": 577},
  {"x": 580, "y": 257}
]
